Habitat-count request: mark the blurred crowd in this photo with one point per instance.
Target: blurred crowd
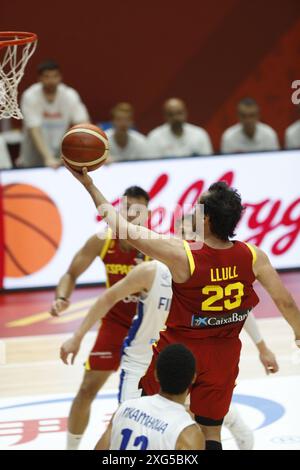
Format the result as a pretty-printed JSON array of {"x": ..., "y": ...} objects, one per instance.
[{"x": 50, "y": 107}]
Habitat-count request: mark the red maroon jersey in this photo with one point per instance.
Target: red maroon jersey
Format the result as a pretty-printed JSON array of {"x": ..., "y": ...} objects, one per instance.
[
  {"x": 118, "y": 263},
  {"x": 218, "y": 296}
]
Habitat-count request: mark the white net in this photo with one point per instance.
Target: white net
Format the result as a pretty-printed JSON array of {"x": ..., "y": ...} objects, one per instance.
[{"x": 13, "y": 61}]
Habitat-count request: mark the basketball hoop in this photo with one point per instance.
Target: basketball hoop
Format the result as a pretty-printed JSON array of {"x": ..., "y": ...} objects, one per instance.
[{"x": 16, "y": 48}]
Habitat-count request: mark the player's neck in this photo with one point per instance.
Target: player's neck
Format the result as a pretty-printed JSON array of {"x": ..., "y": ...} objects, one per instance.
[
  {"x": 215, "y": 242},
  {"x": 121, "y": 138},
  {"x": 175, "y": 398}
]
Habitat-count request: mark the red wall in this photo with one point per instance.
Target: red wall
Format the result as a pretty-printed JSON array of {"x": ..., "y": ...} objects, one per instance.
[{"x": 209, "y": 53}]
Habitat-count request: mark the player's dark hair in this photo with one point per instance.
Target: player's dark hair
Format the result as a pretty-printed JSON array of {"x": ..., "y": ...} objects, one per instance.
[
  {"x": 247, "y": 101},
  {"x": 137, "y": 192},
  {"x": 47, "y": 65},
  {"x": 175, "y": 368},
  {"x": 223, "y": 206}
]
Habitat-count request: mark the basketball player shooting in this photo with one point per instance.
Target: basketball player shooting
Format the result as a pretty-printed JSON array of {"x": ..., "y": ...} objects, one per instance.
[
  {"x": 119, "y": 258},
  {"x": 212, "y": 296}
]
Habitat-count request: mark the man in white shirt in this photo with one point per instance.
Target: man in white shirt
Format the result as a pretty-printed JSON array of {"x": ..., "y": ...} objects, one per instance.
[
  {"x": 124, "y": 142},
  {"x": 249, "y": 135},
  {"x": 177, "y": 138},
  {"x": 49, "y": 107},
  {"x": 292, "y": 135},
  {"x": 5, "y": 160}
]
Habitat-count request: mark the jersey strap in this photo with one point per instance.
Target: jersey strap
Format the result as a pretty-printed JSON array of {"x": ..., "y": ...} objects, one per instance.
[
  {"x": 253, "y": 252},
  {"x": 189, "y": 256},
  {"x": 106, "y": 243}
]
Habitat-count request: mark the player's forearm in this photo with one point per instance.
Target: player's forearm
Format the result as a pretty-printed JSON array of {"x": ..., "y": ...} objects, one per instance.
[
  {"x": 40, "y": 144},
  {"x": 291, "y": 313},
  {"x": 65, "y": 286},
  {"x": 252, "y": 329},
  {"x": 96, "y": 313}
]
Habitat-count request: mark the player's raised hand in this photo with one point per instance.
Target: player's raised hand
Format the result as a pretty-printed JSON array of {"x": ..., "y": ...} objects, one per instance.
[
  {"x": 58, "y": 306},
  {"x": 82, "y": 176},
  {"x": 268, "y": 360},
  {"x": 69, "y": 347}
]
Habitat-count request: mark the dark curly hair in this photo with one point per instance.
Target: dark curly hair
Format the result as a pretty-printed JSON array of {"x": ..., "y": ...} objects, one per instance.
[
  {"x": 223, "y": 206},
  {"x": 175, "y": 368}
]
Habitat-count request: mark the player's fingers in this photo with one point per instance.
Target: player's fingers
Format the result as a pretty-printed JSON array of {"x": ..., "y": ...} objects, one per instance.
[
  {"x": 73, "y": 357},
  {"x": 64, "y": 356}
]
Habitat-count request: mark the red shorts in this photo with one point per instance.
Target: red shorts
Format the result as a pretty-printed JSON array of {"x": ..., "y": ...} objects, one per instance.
[
  {"x": 106, "y": 352},
  {"x": 217, "y": 362}
]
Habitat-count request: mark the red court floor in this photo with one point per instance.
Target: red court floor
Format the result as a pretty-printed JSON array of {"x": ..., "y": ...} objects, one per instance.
[{"x": 25, "y": 313}]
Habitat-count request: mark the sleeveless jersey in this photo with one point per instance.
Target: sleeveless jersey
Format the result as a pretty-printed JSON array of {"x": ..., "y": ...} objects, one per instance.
[
  {"x": 118, "y": 263},
  {"x": 148, "y": 423},
  {"x": 153, "y": 309},
  {"x": 216, "y": 299}
]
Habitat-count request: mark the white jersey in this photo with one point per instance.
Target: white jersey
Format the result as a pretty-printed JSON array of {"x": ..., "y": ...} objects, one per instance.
[
  {"x": 234, "y": 140},
  {"x": 152, "y": 313},
  {"x": 54, "y": 118},
  {"x": 164, "y": 143},
  {"x": 148, "y": 423},
  {"x": 136, "y": 147},
  {"x": 292, "y": 136}
]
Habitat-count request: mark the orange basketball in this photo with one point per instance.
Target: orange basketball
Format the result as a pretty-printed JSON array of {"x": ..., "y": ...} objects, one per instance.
[
  {"x": 85, "y": 145},
  {"x": 32, "y": 229}
]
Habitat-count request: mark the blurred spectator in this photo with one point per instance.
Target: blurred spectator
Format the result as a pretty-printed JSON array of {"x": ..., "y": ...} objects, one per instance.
[
  {"x": 49, "y": 108},
  {"x": 249, "y": 135},
  {"x": 5, "y": 160},
  {"x": 124, "y": 142},
  {"x": 292, "y": 135},
  {"x": 177, "y": 138}
]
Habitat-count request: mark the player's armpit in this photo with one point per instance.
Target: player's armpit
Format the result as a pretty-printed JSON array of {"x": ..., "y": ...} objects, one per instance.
[{"x": 191, "y": 438}]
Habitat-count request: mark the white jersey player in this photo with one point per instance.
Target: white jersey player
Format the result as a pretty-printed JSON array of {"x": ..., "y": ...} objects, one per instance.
[
  {"x": 158, "y": 422},
  {"x": 152, "y": 312}
]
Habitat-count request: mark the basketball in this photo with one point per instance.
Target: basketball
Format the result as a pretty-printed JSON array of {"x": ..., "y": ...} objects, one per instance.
[
  {"x": 30, "y": 241},
  {"x": 85, "y": 145}
]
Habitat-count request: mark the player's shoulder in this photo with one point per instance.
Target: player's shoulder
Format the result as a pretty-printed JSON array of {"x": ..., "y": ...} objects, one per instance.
[
  {"x": 293, "y": 128},
  {"x": 190, "y": 438},
  {"x": 32, "y": 92},
  {"x": 68, "y": 92},
  {"x": 266, "y": 129},
  {"x": 158, "y": 131},
  {"x": 232, "y": 131},
  {"x": 195, "y": 130},
  {"x": 137, "y": 136}
]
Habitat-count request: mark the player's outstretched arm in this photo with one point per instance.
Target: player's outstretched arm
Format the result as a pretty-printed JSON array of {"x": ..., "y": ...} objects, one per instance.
[
  {"x": 266, "y": 356},
  {"x": 191, "y": 438},
  {"x": 140, "y": 278},
  {"x": 81, "y": 261},
  {"x": 270, "y": 280},
  {"x": 170, "y": 251}
]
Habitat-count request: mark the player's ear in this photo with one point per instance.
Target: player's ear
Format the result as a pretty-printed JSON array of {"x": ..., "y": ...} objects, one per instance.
[
  {"x": 194, "y": 378},
  {"x": 155, "y": 375}
]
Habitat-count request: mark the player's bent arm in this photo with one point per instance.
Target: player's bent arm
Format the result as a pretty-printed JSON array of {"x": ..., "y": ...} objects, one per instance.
[
  {"x": 140, "y": 278},
  {"x": 104, "y": 441},
  {"x": 267, "y": 357},
  {"x": 191, "y": 438},
  {"x": 41, "y": 146},
  {"x": 170, "y": 251},
  {"x": 81, "y": 261},
  {"x": 270, "y": 280}
]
